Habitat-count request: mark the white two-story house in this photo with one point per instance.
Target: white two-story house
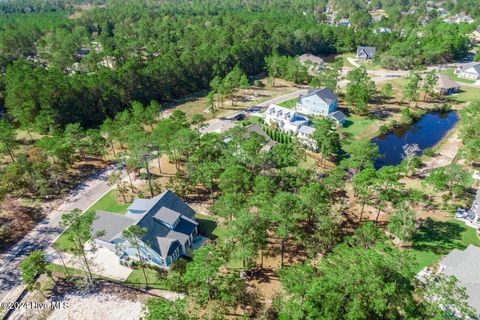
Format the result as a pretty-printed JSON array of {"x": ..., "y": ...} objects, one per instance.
[
  {"x": 320, "y": 102},
  {"x": 286, "y": 120}
]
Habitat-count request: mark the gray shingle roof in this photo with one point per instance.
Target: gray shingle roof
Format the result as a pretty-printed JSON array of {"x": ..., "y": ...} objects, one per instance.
[
  {"x": 325, "y": 94},
  {"x": 369, "y": 51},
  {"x": 446, "y": 83},
  {"x": 465, "y": 266},
  {"x": 167, "y": 246},
  {"x": 269, "y": 143},
  {"x": 310, "y": 57},
  {"x": 474, "y": 65},
  {"x": 338, "y": 115},
  {"x": 167, "y": 215},
  {"x": 145, "y": 213},
  {"x": 306, "y": 130},
  {"x": 110, "y": 224}
]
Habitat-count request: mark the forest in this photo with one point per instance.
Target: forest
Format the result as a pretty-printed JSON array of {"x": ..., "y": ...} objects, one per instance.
[
  {"x": 144, "y": 52},
  {"x": 85, "y": 81}
]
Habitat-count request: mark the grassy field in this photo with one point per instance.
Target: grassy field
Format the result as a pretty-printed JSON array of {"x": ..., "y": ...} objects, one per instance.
[
  {"x": 357, "y": 128},
  {"x": 437, "y": 238},
  {"x": 467, "y": 94},
  {"x": 289, "y": 103},
  {"x": 452, "y": 76},
  {"x": 105, "y": 203}
]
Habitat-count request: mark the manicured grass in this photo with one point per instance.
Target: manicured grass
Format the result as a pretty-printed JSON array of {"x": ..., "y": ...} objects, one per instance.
[
  {"x": 452, "y": 76},
  {"x": 108, "y": 203},
  {"x": 289, "y": 103},
  {"x": 467, "y": 94},
  {"x": 155, "y": 279},
  {"x": 435, "y": 239},
  {"x": 64, "y": 243},
  {"x": 355, "y": 127},
  {"x": 255, "y": 119}
]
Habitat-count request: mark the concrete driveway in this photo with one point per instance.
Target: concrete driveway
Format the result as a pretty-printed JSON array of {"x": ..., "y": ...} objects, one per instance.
[{"x": 103, "y": 262}]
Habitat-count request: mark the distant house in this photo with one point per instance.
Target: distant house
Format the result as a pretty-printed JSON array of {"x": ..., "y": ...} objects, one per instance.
[
  {"x": 170, "y": 230},
  {"x": 305, "y": 137},
  {"x": 83, "y": 52},
  {"x": 465, "y": 266},
  {"x": 269, "y": 143},
  {"x": 469, "y": 71},
  {"x": 313, "y": 63},
  {"x": 365, "y": 53},
  {"x": 318, "y": 102},
  {"x": 338, "y": 116},
  {"x": 382, "y": 30},
  {"x": 344, "y": 22},
  {"x": 284, "y": 119},
  {"x": 447, "y": 86}
]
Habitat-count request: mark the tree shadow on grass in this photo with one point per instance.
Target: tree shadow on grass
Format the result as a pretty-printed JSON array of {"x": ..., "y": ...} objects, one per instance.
[
  {"x": 206, "y": 227},
  {"x": 439, "y": 237}
]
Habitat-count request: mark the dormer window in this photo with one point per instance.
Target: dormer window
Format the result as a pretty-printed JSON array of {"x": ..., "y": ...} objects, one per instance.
[{"x": 167, "y": 217}]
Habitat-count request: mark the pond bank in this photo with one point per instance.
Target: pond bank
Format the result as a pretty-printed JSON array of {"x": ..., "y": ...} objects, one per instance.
[{"x": 427, "y": 132}]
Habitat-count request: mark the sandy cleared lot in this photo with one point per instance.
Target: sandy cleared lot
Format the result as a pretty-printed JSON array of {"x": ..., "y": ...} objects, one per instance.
[
  {"x": 94, "y": 306},
  {"x": 102, "y": 262}
]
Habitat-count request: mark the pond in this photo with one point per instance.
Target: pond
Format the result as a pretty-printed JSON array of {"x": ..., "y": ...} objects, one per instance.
[{"x": 426, "y": 133}]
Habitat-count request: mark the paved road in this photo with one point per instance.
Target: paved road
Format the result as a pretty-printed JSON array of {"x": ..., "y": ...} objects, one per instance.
[
  {"x": 285, "y": 97},
  {"x": 43, "y": 235}
]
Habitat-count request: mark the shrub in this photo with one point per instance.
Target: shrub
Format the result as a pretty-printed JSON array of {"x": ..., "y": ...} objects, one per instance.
[{"x": 428, "y": 152}]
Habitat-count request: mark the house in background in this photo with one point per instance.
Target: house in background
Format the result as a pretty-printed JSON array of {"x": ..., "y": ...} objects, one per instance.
[
  {"x": 170, "y": 230},
  {"x": 344, "y": 22},
  {"x": 465, "y": 266},
  {"x": 318, "y": 102},
  {"x": 447, "y": 86},
  {"x": 382, "y": 30},
  {"x": 286, "y": 120},
  {"x": 365, "y": 53},
  {"x": 338, "y": 117},
  {"x": 313, "y": 63},
  {"x": 469, "y": 71},
  {"x": 305, "y": 137}
]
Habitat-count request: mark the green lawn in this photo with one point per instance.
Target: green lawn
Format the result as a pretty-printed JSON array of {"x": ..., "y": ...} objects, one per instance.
[
  {"x": 452, "y": 76},
  {"x": 108, "y": 203},
  {"x": 105, "y": 203},
  {"x": 468, "y": 94},
  {"x": 254, "y": 119},
  {"x": 289, "y": 103},
  {"x": 437, "y": 238},
  {"x": 209, "y": 227},
  {"x": 155, "y": 279},
  {"x": 356, "y": 127}
]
